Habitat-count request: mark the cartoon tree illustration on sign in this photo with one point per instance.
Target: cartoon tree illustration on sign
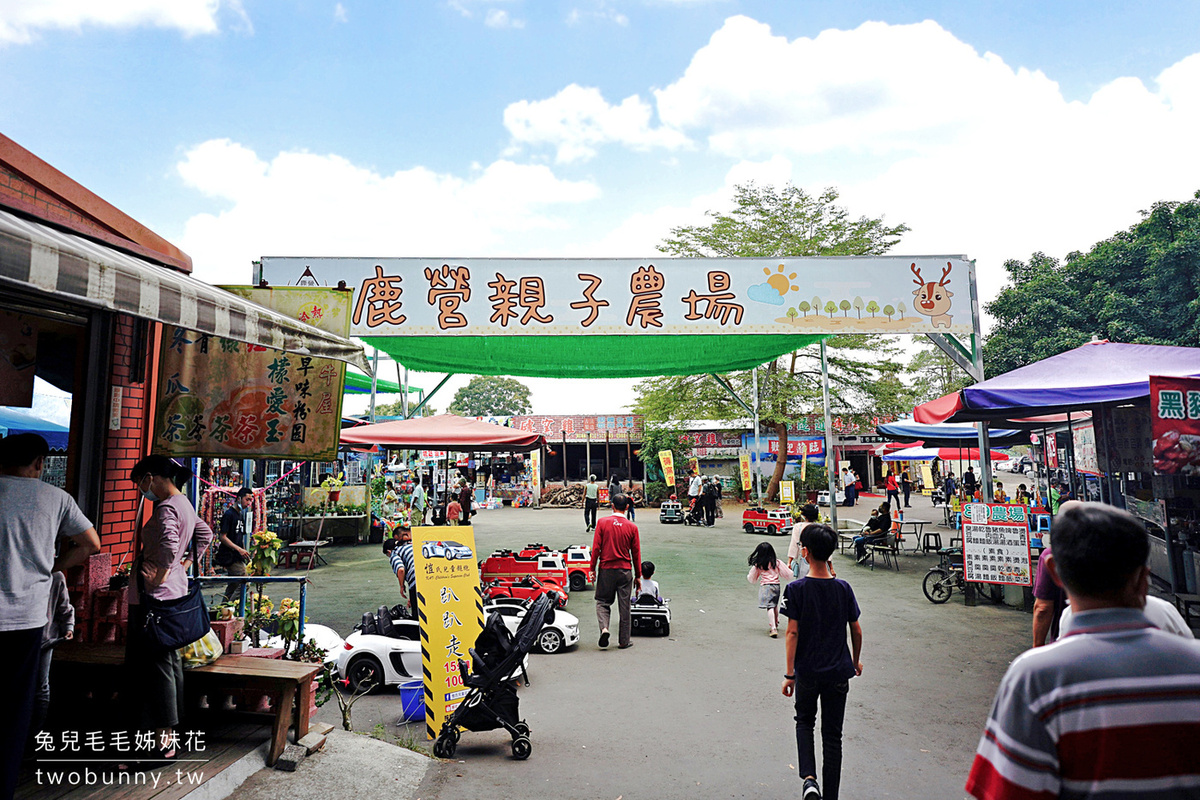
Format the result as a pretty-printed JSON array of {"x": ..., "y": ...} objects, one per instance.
[
  {"x": 805, "y": 307},
  {"x": 845, "y": 307},
  {"x": 816, "y": 304},
  {"x": 889, "y": 312},
  {"x": 901, "y": 309},
  {"x": 858, "y": 306},
  {"x": 872, "y": 308},
  {"x": 830, "y": 309},
  {"x": 792, "y": 314}
]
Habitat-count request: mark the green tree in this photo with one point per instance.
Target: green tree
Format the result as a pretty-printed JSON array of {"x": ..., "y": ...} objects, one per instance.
[
  {"x": 845, "y": 307},
  {"x": 771, "y": 222},
  {"x": 1141, "y": 285},
  {"x": 792, "y": 313},
  {"x": 888, "y": 312},
  {"x": 858, "y": 306},
  {"x": 872, "y": 308},
  {"x": 933, "y": 374},
  {"x": 805, "y": 307},
  {"x": 396, "y": 409},
  {"x": 658, "y": 436},
  {"x": 900, "y": 307},
  {"x": 488, "y": 395}
]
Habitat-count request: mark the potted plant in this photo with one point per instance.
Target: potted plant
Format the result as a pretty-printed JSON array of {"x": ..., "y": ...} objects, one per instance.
[
  {"x": 334, "y": 486},
  {"x": 264, "y": 553}
]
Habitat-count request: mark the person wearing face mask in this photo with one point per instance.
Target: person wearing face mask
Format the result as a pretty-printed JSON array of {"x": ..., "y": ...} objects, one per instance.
[{"x": 162, "y": 565}]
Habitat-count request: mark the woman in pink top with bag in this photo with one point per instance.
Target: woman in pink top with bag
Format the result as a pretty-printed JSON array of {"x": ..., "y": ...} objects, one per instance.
[
  {"x": 768, "y": 571},
  {"x": 170, "y": 539}
]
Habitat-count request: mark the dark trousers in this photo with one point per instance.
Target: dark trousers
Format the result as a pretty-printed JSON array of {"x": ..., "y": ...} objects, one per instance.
[
  {"x": 614, "y": 584},
  {"x": 907, "y": 494},
  {"x": 710, "y": 510},
  {"x": 18, "y": 674},
  {"x": 892, "y": 494},
  {"x": 832, "y": 695},
  {"x": 154, "y": 679},
  {"x": 589, "y": 511},
  {"x": 862, "y": 542}
]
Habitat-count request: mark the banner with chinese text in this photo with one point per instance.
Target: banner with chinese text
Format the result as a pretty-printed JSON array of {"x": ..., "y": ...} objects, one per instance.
[
  {"x": 222, "y": 398},
  {"x": 562, "y": 297},
  {"x": 667, "y": 459},
  {"x": 787, "y": 492},
  {"x": 996, "y": 544},
  {"x": 744, "y": 465},
  {"x": 450, "y": 611},
  {"x": 1175, "y": 425},
  {"x": 618, "y": 428}
]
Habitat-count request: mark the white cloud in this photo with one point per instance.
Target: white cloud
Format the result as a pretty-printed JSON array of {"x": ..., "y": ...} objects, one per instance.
[
  {"x": 914, "y": 124},
  {"x": 20, "y": 20},
  {"x": 340, "y": 14},
  {"x": 499, "y": 18},
  {"x": 603, "y": 11},
  {"x": 578, "y": 120},
  {"x": 299, "y": 203}
]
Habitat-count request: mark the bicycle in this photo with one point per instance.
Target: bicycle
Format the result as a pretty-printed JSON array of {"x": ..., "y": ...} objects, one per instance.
[{"x": 941, "y": 581}]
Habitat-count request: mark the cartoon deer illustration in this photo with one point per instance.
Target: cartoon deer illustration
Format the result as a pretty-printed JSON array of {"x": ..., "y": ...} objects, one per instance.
[{"x": 933, "y": 299}]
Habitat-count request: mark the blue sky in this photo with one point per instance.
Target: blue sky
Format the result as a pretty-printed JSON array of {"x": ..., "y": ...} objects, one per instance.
[{"x": 502, "y": 127}]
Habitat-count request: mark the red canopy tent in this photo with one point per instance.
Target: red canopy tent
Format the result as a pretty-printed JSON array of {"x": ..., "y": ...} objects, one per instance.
[{"x": 444, "y": 432}]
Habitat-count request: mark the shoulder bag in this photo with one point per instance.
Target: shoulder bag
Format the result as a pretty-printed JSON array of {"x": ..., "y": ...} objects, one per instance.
[{"x": 172, "y": 624}]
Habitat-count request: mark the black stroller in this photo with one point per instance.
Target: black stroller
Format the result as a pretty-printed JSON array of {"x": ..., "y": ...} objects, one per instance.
[
  {"x": 694, "y": 515},
  {"x": 491, "y": 701}
]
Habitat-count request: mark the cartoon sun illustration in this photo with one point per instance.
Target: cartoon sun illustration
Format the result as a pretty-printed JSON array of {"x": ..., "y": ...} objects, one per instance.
[{"x": 779, "y": 281}]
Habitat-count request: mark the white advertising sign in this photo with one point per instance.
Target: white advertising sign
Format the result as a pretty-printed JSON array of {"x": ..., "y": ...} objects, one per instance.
[{"x": 522, "y": 297}]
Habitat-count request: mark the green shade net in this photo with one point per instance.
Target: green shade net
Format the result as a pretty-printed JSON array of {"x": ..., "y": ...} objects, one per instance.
[
  {"x": 588, "y": 356},
  {"x": 361, "y": 384}
]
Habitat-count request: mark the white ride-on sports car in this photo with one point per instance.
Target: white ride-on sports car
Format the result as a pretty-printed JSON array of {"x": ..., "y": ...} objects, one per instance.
[{"x": 555, "y": 636}]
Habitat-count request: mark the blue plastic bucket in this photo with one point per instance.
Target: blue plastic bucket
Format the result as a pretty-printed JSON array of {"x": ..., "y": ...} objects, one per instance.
[{"x": 412, "y": 701}]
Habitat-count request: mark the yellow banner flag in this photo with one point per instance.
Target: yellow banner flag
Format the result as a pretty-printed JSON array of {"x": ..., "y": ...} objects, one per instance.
[
  {"x": 744, "y": 463},
  {"x": 667, "y": 459},
  {"x": 450, "y": 610},
  {"x": 787, "y": 492}
]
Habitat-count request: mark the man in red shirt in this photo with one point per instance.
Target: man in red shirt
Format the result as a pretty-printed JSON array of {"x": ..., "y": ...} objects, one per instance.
[{"x": 617, "y": 551}]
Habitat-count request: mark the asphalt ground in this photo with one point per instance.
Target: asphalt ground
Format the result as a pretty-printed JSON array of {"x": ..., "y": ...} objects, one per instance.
[{"x": 700, "y": 714}]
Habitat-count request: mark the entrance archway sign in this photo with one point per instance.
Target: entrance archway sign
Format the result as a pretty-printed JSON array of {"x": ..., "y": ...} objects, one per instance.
[{"x": 575, "y": 318}]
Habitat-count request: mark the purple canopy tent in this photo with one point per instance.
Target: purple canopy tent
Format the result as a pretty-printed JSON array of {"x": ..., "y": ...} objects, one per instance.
[{"x": 1097, "y": 374}]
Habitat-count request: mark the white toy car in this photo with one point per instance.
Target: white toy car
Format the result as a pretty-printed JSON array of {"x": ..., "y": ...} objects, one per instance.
[
  {"x": 386, "y": 658},
  {"x": 650, "y": 615},
  {"x": 447, "y": 550},
  {"x": 325, "y": 637},
  {"x": 555, "y": 636}
]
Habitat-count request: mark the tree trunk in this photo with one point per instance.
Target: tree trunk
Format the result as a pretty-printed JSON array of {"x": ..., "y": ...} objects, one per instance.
[{"x": 781, "y": 429}]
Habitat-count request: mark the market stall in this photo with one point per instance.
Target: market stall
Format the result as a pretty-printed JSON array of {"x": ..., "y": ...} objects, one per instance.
[{"x": 1117, "y": 444}]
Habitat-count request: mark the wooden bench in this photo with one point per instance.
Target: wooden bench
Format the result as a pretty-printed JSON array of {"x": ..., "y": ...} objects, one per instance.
[{"x": 288, "y": 683}]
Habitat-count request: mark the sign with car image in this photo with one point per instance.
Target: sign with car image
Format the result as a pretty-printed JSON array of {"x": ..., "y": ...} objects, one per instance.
[{"x": 450, "y": 610}]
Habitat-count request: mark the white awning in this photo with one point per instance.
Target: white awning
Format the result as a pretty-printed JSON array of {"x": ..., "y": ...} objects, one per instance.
[{"x": 39, "y": 257}]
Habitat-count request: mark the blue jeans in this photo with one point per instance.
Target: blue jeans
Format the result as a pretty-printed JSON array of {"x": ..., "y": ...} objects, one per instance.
[{"x": 832, "y": 694}]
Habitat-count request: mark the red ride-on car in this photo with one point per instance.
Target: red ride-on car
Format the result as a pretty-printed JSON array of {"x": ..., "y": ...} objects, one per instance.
[
  {"x": 526, "y": 588},
  {"x": 772, "y": 522}
]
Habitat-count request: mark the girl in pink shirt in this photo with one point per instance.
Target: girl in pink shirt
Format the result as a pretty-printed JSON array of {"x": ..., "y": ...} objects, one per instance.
[{"x": 768, "y": 570}]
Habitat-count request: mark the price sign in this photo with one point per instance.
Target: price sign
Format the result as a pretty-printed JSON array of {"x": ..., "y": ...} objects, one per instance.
[{"x": 996, "y": 544}]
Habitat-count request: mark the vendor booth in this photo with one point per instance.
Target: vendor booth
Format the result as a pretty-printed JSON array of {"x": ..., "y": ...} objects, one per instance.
[{"x": 1134, "y": 443}]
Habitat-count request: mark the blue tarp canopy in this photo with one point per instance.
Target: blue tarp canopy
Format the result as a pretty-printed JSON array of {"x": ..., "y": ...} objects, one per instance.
[
  {"x": 948, "y": 435},
  {"x": 15, "y": 421},
  {"x": 1096, "y": 374}
]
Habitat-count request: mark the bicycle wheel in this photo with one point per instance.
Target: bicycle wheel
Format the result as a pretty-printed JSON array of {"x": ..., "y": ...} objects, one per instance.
[{"x": 937, "y": 586}]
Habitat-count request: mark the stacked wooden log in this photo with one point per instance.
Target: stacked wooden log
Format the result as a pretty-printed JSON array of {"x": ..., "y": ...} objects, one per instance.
[{"x": 572, "y": 496}]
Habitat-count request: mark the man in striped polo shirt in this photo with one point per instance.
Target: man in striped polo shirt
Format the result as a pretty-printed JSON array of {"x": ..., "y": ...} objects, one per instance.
[{"x": 1112, "y": 709}]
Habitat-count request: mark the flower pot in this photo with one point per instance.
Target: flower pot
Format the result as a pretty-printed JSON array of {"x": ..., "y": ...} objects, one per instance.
[{"x": 334, "y": 494}]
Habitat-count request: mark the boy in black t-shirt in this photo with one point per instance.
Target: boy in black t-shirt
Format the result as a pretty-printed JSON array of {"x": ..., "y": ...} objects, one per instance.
[
  {"x": 819, "y": 608},
  {"x": 232, "y": 553}
]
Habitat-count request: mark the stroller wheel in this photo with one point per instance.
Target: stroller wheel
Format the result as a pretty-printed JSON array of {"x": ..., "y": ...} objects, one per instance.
[
  {"x": 521, "y": 748},
  {"x": 444, "y": 747},
  {"x": 522, "y": 728}
]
